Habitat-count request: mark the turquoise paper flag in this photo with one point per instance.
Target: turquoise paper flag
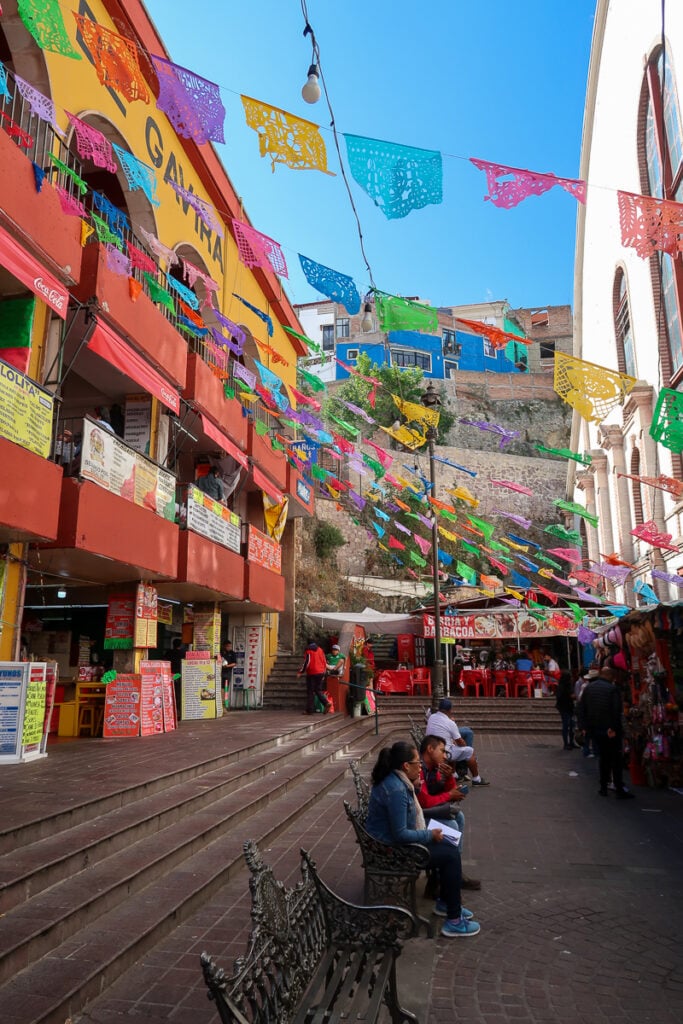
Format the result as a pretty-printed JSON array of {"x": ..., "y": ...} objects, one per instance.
[{"x": 397, "y": 178}]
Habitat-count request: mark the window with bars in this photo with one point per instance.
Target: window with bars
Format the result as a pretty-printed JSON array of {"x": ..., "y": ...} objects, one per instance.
[{"x": 663, "y": 139}]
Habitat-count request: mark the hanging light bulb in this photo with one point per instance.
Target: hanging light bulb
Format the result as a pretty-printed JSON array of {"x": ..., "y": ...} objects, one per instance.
[
  {"x": 366, "y": 323},
  {"x": 311, "y": 90}
]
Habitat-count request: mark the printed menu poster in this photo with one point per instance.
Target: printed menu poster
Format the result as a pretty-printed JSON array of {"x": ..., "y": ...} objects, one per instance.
[
  {"x": 168, "y": 701},
  {"x": 152, "y": 696},
  {"x": 146, "y": 616},
  {"x": 118, "y": 634},
  {"x": 207, "y": 629},
  {"x": 201, "y": 689},
  {"x": 122, "y": 707},
  {"x": 34, "y": 709}
]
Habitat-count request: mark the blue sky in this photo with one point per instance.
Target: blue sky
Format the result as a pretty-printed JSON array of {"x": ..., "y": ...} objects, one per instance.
[{"x": 497, "y": 80}]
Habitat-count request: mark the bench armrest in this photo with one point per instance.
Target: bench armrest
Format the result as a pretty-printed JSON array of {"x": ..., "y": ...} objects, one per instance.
[
  {"x": 350, "y": 925},
  {"x": 405, "y": 859}
]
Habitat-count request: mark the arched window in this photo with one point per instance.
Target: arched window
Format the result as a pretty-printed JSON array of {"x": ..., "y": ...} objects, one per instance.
[
  {"x": 636, "y": 489},
  {"x": 623, "y": 333},
  {"x": 663, "y": 153}
]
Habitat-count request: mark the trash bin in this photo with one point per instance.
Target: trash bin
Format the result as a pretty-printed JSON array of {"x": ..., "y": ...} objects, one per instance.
[{"x": 358, "y": 688}]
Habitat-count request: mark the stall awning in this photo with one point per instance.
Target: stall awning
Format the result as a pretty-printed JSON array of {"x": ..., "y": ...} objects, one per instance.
[
  {"x": 110, "y": 346},
  {"x": 29, "y": 271},
  {"x": 262, "y": 481},
  {"x": 223, "y": 441}
]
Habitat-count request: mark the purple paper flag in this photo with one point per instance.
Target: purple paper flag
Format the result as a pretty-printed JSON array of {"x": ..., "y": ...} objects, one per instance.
[
  {"x": 192, "y": 104},
  {"x": 519, "y": 520}
]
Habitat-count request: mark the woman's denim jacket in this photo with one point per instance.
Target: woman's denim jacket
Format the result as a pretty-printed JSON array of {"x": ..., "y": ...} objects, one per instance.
[{"x": 391, "y": 813}]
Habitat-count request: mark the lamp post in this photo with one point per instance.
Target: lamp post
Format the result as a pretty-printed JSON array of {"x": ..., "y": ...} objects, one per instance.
[{"x": 431, "y": 400}]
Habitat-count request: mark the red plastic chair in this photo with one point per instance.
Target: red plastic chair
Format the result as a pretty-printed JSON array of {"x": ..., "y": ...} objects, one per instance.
[
  {"x": 421, "y": 681},
  {"x": 523, "y": 681},
  {"x": 499, "y": 681},
  {"x": 475, "y": 683}
]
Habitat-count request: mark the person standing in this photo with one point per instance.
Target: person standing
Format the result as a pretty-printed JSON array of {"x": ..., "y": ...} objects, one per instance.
[
  {"x": 601, "y": 709},
  {"x": 314, "y": 668},
  {"x": 229, "y": 661},
  {"x": 564, "y": 702}
]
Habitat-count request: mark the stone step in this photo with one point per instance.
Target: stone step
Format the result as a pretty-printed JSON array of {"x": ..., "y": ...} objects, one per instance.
[{"x": 62, "y": 947}]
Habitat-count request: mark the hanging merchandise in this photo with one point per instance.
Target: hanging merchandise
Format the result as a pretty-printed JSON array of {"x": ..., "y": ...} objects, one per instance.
[
  {"x": 650, "y": 225},
  {"x": 115, "y": 60},
  {"x": 258, "y": 250},
  {"x": 508, "y": 186},
  {"x": 44, "y": 21},
  {"x": 285, "y": 138},
  {"x": 336, "y": 286},
  {"x": 396, "y": 314},
  {"x": 192, "y": 104},
  {"x": 667, "y": 419},
  {"x": 590, "y": 389},
  {"x": 397, "y": 178},
  {"x": 92, "y": 145}
]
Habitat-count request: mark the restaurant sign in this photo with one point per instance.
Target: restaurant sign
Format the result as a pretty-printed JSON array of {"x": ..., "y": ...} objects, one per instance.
[
  {"x": 263, "y": 550},
  {"x": 25, "y": 411},
  {"x": 211, "y": 519},
  {"x": 501, "y": 626}
]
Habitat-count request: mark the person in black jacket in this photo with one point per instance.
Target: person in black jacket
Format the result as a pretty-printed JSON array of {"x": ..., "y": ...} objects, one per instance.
[
  {"x": 564, "y": 702},
  {"x": 601, "y": 713}
]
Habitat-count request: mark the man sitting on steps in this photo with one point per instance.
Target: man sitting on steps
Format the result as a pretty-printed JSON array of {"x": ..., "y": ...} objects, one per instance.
[
  {"x": 441, "y": 723},
  {"x": 438, "y": 794}
]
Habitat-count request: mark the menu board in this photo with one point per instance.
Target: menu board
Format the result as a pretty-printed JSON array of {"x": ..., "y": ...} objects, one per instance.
[
  {"x": 111, "y": 464},
  {"x": 213, "y": 520},
  {"x": 12, "y": 677},
  {"x": 263, "y": 550},
  {"x": 152, "y": 675},
  {"x": 51, "y": 677},
  {"x": 34, "y": 707},
  {"x": 118, "y": 633},
  {"x": 201, "y": 688},
  {"x": 246, "y": 675},
  {"x": 206, "y": 634},
  {"x": 25, "y": 411},
  {"x": 145, "y": 616},
  {"x": 122, "y": 706}
]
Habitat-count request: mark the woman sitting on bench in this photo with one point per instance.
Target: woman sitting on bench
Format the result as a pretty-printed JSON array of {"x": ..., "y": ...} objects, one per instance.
[{"x": 395, "y": 817}]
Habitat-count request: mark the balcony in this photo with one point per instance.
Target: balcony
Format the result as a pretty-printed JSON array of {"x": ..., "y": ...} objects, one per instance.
[
  {"x": 140, "y": 321},
  {"x": 264, "y": 589},
  {"x": 29, "y": 501},
  {"x": 204, "y": 390},
  {"x": 207, "y": 571},
  {"x": 272, "y": 462},
  {"x": 36, "y": 219},
  {"x": 104, "y": 538}
]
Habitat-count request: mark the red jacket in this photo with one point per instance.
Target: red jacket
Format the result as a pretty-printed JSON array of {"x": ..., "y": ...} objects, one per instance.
[
  {"x": 315, "y": 663},
  {"x": 426, "y": 799}
]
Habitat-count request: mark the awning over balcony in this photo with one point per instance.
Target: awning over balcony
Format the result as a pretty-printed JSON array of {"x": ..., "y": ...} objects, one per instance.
[
  {"x": 262, "y": 481},
  {"x": 110, "y": 346},
  {"x": 29, "y": 271},
  {"x": 223, "y": 441}
]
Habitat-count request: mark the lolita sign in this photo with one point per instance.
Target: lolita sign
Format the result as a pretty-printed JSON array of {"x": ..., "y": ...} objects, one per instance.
[{"x": 487, "y": 626}]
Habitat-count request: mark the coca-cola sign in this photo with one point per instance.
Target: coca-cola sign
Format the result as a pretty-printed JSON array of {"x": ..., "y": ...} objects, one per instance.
[{"x": 55, "y": 297}]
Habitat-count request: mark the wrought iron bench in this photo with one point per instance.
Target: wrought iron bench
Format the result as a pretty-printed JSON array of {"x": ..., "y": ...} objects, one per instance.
[
  {"x": 312, "y": 957},
  {"x": 391, "y": 872},
  {"x": 417, "y": 732}
]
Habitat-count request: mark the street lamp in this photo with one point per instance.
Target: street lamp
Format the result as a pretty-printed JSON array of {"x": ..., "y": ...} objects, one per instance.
[{"x": 431, "y": 400}]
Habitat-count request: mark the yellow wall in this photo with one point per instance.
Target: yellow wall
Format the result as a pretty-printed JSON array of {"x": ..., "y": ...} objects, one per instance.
[{"x": 151, "y": 138}]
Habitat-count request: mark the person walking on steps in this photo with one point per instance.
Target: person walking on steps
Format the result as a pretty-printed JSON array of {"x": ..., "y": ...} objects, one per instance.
[{"x": 314, "y": 668}]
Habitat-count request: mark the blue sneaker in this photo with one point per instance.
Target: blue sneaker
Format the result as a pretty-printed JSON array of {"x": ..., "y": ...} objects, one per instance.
[
  {"x": 441, "y": 911},
  {"x": 453, "y": 929}
]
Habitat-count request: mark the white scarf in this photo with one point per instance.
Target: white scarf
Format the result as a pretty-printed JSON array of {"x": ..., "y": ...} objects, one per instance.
[{"x": 419, "y": 816}]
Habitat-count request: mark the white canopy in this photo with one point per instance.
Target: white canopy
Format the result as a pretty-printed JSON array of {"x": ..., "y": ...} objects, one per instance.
[{"x": 370, "y": 620}]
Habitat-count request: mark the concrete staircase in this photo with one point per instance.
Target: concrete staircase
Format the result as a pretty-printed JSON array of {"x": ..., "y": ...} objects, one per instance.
[{"x": 282, "y": 688}]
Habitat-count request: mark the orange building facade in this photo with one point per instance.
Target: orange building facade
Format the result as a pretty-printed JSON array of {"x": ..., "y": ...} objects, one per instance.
[{"x": 116, "y": 397}]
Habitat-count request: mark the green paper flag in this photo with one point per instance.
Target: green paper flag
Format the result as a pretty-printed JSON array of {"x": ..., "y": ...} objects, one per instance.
[
  {"x": 579, "y": 510},
  {"x": 228, "y": 391},
  {"x": 466, "y": 573},
  {"x": 16, "y": 322},
  {"x": 566, "y": 453},
  {"x": 396, "y": 314},
  {"x": 376, "y": 467},
  {"x": 548, "y": 561},
  {"x": 472, "y": 548},
  {"x": 108, "y": 237},
  {"x": 78, "y": 182},
  {"x": 260, "y": 427},
  {"x": 415, "y": 558},
  {"x": 577, "y": 611},
  {"x": 315, "y": 382},
  {"x": 307, "y": 341},
  {"x": 486, "y": 528},
  {"x": 157, "y": 293},
  {"x": 318, "y": 473},
  {"x": 44, "y": 21},
  {"x": 277, "y": 445},
  {"x": 564, "y": 534},
  {"x": 353, "y": 432},
  {"x": 447, "y": 515}
]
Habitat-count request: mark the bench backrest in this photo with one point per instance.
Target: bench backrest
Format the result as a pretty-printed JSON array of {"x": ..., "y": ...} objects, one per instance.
[
  {"x": 362, "y": 788},
  {"x": 289, "y": 936}
]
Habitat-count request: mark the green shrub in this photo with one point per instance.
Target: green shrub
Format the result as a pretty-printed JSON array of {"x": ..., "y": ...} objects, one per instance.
[{"x": 327, "y": 539}]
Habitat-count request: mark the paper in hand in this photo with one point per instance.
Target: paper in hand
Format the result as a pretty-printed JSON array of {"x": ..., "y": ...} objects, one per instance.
[{"x": 450, "y": 835}]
